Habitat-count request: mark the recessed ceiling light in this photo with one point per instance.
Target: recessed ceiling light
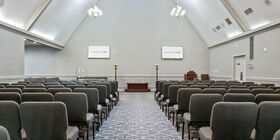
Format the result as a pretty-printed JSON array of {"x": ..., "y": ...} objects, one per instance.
[{"x": 35, "y": 42}]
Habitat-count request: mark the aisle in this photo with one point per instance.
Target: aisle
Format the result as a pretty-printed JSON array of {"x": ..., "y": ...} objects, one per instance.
[{"x": 137, "y": 117}]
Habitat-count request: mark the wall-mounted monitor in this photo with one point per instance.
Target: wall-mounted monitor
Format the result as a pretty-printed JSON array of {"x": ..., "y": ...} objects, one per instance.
[
  {"x": 99, "y": 52},
  {"x": 168, "y": 52}
]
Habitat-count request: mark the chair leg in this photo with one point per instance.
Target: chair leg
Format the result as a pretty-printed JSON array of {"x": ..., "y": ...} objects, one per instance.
[
  {"x": 177, "y": 123},
  {"x": 93, "y": 130},
  {"x": 173, "y": 118},
  {"x": 183, "y": 129},
  {"x": 189, "y": 132},
  {"x": 87, "y": 132}
]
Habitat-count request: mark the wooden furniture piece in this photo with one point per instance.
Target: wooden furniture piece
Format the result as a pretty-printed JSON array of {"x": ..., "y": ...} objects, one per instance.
[
  {"x": 137, "y": 87},
  {"x": 191, "y": 75},
  {"x": 204, "y": 77}
]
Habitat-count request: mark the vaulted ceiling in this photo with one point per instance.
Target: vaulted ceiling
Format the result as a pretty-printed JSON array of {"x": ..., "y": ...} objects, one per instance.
[{"x": 214, "y": 20}]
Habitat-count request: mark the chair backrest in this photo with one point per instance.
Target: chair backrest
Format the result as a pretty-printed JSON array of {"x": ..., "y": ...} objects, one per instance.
[
  {"x": 262, "y": 90},
  {"x": 65, "y": 83},
  {"x": 75, "y": 86},
  {"x": 233, "y": 121},
  {"x": 183, "y": 98},
  {"x": 54, "y": 86},
  {"x": 220, "y": 82},
  {"x": 172, "y": 93},
  {"x": 201, "y": 106},
  {"x": 239, "y": 90},
  {"x": 16, "y": 86},
  {"x": 219, "y": 86},
  {"x": 276, "y": 135},
  {"x": 160, "y": 86},
  {"x": 267, "y": 97},
  {"x": 248, "y": 83},
  {"x": 108, "y": 86},
  {"x": 44, "y": 120},
  {"x": 4, "y": 84},
  {"x": 114, "y": 87},
  {"x": 268, "y": 121},
  {"x": 166, "y": 88},
  {"x": 34, "y": 90},
  {"x": 277, "y": 91},
  {"x": 10, "y": 96},
  {"x": 10, "y": 118},
  {"x": 221, "y": 91},
  {"x": 76, "y": 104},
  {"x": 102, "y": 90},
  {"x": 199, "y": 86},
  {"x": 18, "y": 90},
  {"x": 239, "y": 97},
  {"x": 274, "y": 87},
  {"x": 92, "y": 96},
  {"x": 238, "y": 86},
  {"x": 55, "y": 90},
  {"x": 52, "y": 83},
  {"x": 4, "y": 134},
  {"x": 37, "y": 97},
  {"x": 256, "y": 86},
  {"x": 35, "y": 86},
  {"x": 267, "y": 85}
]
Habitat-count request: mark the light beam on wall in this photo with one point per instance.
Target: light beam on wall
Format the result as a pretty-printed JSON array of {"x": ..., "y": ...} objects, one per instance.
[
  {"x": 46, "y": 36},
  {"x": 234, "y": 34},
  {"x": 10, "y": 22},
  {"x": 259, "y": 25}
]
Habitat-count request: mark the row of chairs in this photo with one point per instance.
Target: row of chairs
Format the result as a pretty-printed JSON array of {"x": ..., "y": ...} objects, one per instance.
[
  {"x": 178, "y": 97},
  {"x": 97, "y": 100}
]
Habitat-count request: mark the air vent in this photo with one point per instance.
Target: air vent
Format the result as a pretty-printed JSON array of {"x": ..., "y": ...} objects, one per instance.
[
  {"x": 214, "y": 30},
  {"x": 248, "y": 11},
  {"x": 2, "y": 2},
  {"x": 218, "y": 27},
  {"x": 268, "y": 2},
  {"x": 228, "y": 21}
]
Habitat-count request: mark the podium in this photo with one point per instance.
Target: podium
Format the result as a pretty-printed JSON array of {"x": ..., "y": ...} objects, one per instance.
[
  {"x": 137, "y": 87},
  {"x": 191, "y": 75}
]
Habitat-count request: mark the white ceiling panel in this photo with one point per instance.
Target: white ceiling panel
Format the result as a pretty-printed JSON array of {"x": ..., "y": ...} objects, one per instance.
[
  {"x": 263, "y": 11},
  {"x": 208, "y": 17},
  {"x": 18, "y": 12},
  {"x": 61, "y": 18}
]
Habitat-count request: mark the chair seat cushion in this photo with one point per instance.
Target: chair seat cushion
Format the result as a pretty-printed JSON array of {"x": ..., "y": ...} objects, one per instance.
[
  {"x": 99, "y": 107},
  {"x": 72, "y": 133},
  {"x": 90, "y": 118},
  {"x": 205, "y": 133},
  {"x": 187, "y": 118}
]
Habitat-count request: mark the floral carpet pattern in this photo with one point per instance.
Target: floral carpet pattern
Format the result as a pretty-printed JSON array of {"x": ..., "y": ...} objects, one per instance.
[{"x": 137, "y": 117}]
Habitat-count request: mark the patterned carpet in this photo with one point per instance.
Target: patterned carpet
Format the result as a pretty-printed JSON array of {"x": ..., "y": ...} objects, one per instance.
[{"x": 137, "y": 117}]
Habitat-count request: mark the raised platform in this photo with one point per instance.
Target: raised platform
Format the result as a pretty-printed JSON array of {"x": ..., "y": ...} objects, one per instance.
[{"x": 137, "y": 87}]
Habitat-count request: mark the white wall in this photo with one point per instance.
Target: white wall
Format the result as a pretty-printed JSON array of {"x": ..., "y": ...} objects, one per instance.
[
  {"x": 265, "y": 64},
  {"x": 11, "y": 56},
  {"x": 135, "y": 38}
]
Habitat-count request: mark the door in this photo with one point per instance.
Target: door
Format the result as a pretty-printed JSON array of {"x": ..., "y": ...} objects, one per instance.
[{"x": 239, "y": 68}]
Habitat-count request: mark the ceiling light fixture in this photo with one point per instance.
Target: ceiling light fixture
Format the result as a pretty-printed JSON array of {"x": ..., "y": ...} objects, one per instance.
[
  {"x": 95, "y": 12},
  {"x": 178, "y": 11}
]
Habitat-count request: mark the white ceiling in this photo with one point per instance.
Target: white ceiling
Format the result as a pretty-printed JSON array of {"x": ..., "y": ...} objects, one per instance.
[{"x": 60, "y": 18}]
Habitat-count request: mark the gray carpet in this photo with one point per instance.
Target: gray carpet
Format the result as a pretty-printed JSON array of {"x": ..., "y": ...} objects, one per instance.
[{"x": 137, "y": 117}]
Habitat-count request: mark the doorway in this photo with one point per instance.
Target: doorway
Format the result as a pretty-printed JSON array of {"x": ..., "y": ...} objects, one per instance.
[{"x": 239, "y": 68}]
